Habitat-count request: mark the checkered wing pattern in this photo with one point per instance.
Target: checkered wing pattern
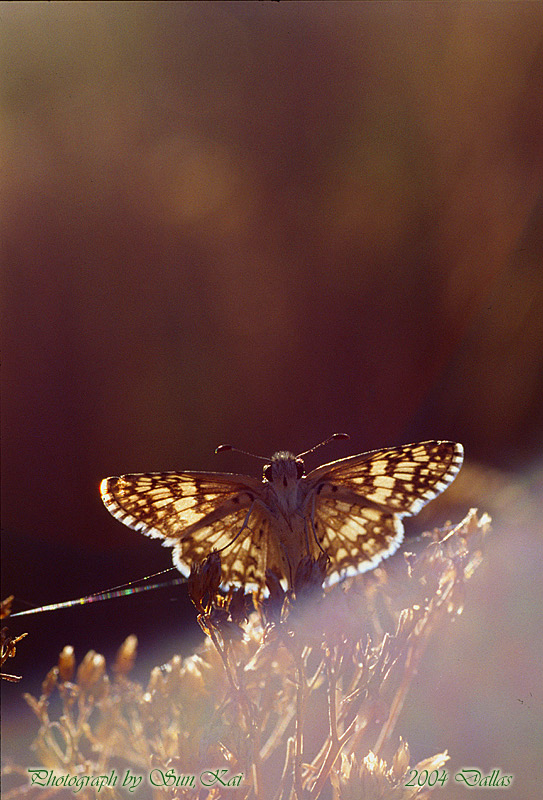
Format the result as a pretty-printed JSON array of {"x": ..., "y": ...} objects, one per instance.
[
  {"x": 195, "y": 514},
  {"x": 359, "y": 501}
]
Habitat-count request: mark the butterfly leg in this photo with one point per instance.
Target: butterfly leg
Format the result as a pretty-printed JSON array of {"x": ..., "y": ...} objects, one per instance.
[
  {"x": 311, "y": 519},
  {"x": 244, "y": 527}
]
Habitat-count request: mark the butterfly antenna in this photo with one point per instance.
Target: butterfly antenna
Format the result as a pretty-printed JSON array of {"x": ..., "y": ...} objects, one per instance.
[
  {"x": 222, "y": 447},
  {"x": 330, "y": 439}
]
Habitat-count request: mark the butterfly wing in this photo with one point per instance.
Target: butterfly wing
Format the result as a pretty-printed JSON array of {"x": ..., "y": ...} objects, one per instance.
[
  {"x": 355, "y": 537},
  {"x": 197, "y": 513},
  {"x": 358, "y": 502}
]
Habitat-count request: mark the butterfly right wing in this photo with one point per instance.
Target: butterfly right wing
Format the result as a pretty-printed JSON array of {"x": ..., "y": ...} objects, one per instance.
[
  {"x": 359, "y": 501},
  {"x": 197, "y": 513}
]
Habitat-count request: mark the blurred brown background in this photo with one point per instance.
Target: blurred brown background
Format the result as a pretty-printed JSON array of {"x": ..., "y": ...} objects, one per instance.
[{"x": 261, "y": 223}]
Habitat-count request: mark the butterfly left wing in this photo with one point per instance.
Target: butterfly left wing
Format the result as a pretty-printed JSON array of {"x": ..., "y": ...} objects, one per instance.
[
  {"x": 197, "y": 513},
  {"x": 358, "y": 502}
]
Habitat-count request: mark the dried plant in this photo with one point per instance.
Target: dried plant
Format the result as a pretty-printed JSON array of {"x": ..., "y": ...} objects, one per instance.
[
  {"x": 8, "y": 645},
  {"x": 296, "y": 699}
]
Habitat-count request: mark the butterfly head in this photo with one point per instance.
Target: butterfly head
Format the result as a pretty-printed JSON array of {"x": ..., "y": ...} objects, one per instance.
[{"x": 284, "y": 470}]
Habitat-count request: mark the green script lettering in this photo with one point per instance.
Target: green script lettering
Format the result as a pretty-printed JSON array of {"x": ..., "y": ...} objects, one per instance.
[
  {"x": 469, "y": 776},
  {"x": 212, "y": 777},
  {"x": 39, "y": 776}
]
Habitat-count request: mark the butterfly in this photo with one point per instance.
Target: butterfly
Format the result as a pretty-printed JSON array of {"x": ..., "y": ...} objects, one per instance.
[{"x": 351, "y": 510}]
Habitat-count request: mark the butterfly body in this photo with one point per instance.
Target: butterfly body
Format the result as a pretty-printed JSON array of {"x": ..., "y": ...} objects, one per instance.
[
  {"x": 284, "y": 500},
  {"x": 350, "y": 509}
]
